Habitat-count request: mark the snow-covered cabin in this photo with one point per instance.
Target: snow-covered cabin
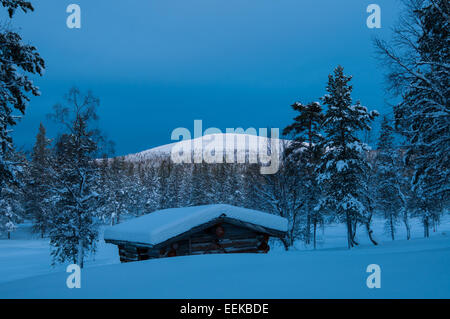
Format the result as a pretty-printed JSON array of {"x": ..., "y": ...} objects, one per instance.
[{"x": 195, "y": 230}]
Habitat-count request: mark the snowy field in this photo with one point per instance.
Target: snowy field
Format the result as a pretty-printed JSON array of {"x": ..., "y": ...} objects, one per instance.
[{"x": 419, "y": 268}]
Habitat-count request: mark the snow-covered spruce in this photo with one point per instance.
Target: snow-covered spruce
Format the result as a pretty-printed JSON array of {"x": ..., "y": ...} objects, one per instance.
[
  {"x": 344, "y": 169},
  {"x": 305, "y": 150},
  {"x": 16, "y": 60}
]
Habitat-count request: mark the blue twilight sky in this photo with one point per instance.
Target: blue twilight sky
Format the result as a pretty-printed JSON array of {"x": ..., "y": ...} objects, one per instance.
[{"x": 160, "y": 64}]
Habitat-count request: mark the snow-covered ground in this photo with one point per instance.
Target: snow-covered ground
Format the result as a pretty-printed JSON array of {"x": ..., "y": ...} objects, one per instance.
[
  {"x": 419, "y": 268},
  {"x": 27, "y": 255}
]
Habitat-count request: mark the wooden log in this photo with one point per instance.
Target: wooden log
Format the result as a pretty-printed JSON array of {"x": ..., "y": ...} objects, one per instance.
[
  {"x": 220, "y": 232},
  {"x": 172, "y": 253},
  {"x": 250, "y": 242},
  {"x": 200, "y": 239},
  {"x": 128, "y": 258}
]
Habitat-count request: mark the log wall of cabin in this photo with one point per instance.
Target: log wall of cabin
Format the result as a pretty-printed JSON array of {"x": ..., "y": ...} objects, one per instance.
[{"x": 235, "y": 239}]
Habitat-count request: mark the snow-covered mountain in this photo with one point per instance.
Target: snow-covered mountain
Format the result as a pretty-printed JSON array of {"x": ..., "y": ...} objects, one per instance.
[{"x": 225, "y": 143}]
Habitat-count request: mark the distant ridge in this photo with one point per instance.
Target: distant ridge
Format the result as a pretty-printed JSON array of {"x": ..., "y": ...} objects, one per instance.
[{"x": 238, "y": 144}]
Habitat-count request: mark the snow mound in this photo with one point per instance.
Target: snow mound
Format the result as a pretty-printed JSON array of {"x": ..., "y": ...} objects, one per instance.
[{"x": 159, "y": 226}]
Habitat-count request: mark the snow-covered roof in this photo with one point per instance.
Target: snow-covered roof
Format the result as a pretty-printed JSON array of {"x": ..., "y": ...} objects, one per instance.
[{"x": 159, "y": 226}]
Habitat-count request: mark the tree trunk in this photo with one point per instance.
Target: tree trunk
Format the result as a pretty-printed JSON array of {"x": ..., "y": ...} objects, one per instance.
[
  {"x": 9, "y": 235},
  {"x": 391, "y": 225},
  {"x": 80, "y": 253},
  {"x": 308, "y": 229},
  {"x": 315, "y": 229},
  {"x": 285, "y": 243},
  {"x": 370, "y": 232},
  {"x": 349, "y": 232},
  {"x": 354, "y": 224},
  {"x": 426, "y": 227},
  {"x": 408, "y": 229}
]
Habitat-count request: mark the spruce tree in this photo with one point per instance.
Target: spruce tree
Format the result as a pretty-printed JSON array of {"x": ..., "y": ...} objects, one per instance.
[
  {"x": 10, "y": 210},
  {"x": 305, "y": 148},
  {"x": 197, "y": 190},
  {"x": 148, "y": 178},
  {"x": 12, "y": 198},
  {"x": 17, "y": 61},
  {"x": 40, "y": 182},
  {"x": 344, "y": 169},
  {"x": 13, "y": 5}
]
